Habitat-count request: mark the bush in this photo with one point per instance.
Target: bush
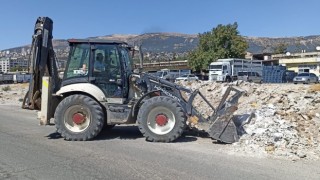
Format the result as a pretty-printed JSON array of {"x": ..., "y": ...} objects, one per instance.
[{"x": 6, "y": 88}]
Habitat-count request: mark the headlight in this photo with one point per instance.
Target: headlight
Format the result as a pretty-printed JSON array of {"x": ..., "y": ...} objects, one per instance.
[{"x": 303, "y": 79}]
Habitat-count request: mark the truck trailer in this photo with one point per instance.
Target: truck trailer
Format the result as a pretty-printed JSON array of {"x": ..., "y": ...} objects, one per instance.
[{"x": 226, "y": 70}]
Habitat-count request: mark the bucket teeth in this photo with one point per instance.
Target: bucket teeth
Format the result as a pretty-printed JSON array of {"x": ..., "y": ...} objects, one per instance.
[
  {"x": 230, "y": 130},
  {"x": 224, "y": 131},
  {"x": 223, "y": 128}
]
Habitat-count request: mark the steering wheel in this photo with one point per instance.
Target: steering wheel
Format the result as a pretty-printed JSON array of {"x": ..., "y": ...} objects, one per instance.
[{"x": 113, "y": 72}]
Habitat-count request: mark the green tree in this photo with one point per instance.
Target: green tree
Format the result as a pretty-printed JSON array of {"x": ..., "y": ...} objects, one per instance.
[
  {"x": 224, "y": 41},
  {"x": 16, "y": 68},
  {"x": 280, "y": 48}
]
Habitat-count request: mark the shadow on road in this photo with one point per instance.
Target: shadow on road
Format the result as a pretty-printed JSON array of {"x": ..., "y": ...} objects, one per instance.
[
  {"x": 132, "y": 133},
  {"x": 120, "y": 132},
  {"x": 54, "y": 135},
  {"x": 190, "y": 136},
  {"x": 184, "y": 139}
]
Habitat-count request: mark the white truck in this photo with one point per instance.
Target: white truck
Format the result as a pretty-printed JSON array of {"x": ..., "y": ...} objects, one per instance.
[{"x": 226, "y": 70}]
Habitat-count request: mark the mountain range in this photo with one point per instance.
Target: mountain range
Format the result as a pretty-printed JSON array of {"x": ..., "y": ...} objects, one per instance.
[{"x": 157, "y": 43}]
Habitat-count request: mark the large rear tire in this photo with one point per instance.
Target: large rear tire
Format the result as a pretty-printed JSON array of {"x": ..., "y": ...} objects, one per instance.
[
  {"x": 79, "y": 118},
  {"x": 161, "y": 119}
]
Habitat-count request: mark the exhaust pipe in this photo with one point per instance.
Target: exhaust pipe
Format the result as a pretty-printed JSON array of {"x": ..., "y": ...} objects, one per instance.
[{"x": 140, "y": 58}]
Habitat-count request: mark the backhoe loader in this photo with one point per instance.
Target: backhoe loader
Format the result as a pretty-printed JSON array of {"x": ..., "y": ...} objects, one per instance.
[{"x": 89, "y": 98}]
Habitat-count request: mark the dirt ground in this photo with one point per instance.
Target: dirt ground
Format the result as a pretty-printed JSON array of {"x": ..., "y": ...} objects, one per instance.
[{"x": 13, "y": 94}]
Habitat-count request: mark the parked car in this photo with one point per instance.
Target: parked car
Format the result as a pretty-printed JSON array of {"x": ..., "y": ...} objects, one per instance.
[
  {"x": 249, "y": 76},
  {"x": 305, "y": 78},
  {"x": 187, "y": 77}
]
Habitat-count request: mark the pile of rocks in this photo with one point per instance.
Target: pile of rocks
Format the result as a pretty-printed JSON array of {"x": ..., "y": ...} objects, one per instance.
[{"x": 286, "y": 122}]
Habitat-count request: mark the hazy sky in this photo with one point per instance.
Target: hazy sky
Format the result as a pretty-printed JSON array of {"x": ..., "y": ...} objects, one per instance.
[{"x": 87, "y": 18}]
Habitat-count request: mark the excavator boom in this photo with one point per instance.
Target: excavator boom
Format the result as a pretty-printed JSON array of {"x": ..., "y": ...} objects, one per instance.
[{"x": 42, "y": 62}]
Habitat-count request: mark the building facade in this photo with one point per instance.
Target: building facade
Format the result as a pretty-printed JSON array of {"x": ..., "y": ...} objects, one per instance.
[
  {"x": 300, "y": 62},
  {"x": 19, "y": 63},
  {"x": 4, "y": 65},
  {"x": 13, "y": 64}
]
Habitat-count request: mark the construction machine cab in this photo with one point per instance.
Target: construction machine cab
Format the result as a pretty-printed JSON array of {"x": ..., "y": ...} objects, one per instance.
[{"x": 106, "y": 64}]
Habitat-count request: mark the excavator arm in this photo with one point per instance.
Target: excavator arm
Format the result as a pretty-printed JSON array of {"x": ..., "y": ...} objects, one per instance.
[{"x": 42, "y": 62}]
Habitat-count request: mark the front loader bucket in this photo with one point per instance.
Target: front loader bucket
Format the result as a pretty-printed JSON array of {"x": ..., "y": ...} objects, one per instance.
[
  {"x": 224, "y": 131},
  {"x": 223, "y": 128},
  {"x": 230, "y": 130},
  {"x": 222, "y": 124}
]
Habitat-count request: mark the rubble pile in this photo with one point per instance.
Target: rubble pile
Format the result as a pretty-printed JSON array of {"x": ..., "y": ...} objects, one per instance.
[{"x": 286, "y": 122}]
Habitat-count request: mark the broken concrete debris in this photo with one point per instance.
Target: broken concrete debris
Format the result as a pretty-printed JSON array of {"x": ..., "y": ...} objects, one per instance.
[{"x": 286, "y": 122}]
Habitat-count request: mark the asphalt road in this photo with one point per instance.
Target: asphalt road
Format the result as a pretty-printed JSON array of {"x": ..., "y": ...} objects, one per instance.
[{"x": 30, "y": 151}]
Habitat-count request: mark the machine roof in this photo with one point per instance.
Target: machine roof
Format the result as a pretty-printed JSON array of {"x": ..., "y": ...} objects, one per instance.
[{"x": 102, "y": 41}]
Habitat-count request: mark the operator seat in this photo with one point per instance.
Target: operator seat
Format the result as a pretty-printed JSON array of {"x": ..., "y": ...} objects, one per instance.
[{"x": 99, "y": 64}]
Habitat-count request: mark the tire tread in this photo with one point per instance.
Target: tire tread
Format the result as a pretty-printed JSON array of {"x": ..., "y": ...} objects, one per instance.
[
  {"x": 176, "y": 109},
  {"x": 97, "y": 120}
]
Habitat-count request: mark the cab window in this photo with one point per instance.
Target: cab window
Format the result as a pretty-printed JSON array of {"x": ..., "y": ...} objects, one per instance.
[
  {"x": 224, "y": 67},
  {"x": 242, "y": 73},
  {"x": 109, "y": 76},
  {"x": 79, "y": 61}
]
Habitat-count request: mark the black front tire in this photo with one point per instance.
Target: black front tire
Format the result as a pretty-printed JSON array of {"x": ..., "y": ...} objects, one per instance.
[
  {"x": 88, "y": 108},
  {"x": 166, "y": 106}
]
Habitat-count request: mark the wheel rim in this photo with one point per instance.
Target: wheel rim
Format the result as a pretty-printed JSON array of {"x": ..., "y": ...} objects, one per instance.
[
  {"x": 161, "y": 120},
  {"x": 77, "y": 118}
]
